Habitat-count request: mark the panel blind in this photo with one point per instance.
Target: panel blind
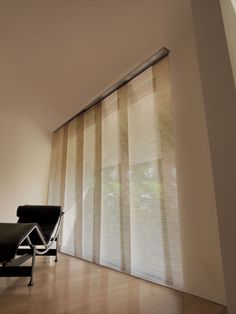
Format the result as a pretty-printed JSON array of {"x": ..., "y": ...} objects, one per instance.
[{"x": 113, "y": 170}]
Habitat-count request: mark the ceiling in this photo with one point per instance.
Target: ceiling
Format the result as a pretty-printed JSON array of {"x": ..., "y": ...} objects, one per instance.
[{"x": 57, "y": 56}]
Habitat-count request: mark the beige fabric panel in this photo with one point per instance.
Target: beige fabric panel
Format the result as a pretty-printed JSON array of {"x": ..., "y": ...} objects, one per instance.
[
  {"x": 97, "y": 183},
  {"x": 124, "y": 180}
]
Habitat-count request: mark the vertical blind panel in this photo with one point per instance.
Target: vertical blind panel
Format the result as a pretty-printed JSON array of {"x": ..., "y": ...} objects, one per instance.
[
  {"x": 167, "y": 170},
  {"x": 56, "y": 169},
  {"x": 155, "y": 240},
  {"x": 56, "y": 193},
  {"x": 88, "y": 185},
  {"x": 113, "y": 170},
  {"x": 68, "y": 239},
  {"x": 110, "y": 211},
  {"x": 147, "y": 250},
  {"x": 124, "y": 179}
]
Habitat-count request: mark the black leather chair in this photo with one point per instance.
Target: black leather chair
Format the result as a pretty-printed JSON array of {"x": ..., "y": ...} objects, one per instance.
[{"x": 34, "y": 234}]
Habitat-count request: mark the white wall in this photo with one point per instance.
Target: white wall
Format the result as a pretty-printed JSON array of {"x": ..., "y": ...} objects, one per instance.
[
  {"x": 202, "y": 265},
  {"x": 228, "y": 8},
  {"x": 219, "y": 99},
  {"x": 24, "y": 162}
]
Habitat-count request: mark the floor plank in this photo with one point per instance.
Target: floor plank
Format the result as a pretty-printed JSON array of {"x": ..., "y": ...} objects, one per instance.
[{"x": 73, "y": 286}]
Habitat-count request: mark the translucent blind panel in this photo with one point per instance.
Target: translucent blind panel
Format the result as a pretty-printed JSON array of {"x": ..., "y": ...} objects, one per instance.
[
  {"x": 110, "y": 212},
  {"x": 72, "y": 226},
  {"x": 88, "y": 185},
  {"x": 147, "y": 250},
  {"x": 155, "y": 239},
  {"x": 167, "y": 171},
  {"x": 68, "y": 240},
  {"x": 58, "y": 165}
]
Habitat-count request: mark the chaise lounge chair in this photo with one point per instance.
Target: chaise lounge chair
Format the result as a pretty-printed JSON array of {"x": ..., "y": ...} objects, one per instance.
[{"x": 35, "y": 233}]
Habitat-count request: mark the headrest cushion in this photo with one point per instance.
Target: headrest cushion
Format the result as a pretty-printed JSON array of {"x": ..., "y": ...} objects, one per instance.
[{"x": 39, "y": 211}]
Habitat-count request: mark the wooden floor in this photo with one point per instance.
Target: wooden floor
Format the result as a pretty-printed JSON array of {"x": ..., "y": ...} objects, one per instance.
[{"x": 76, "y": 287}]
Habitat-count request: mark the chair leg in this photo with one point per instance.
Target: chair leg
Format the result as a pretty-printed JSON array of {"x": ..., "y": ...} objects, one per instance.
[
  {"x": 56, "y": 259},
  {"x": 32, "y": 267}
]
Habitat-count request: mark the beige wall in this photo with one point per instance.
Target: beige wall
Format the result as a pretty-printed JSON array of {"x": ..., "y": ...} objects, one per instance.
[
  {"x": 24, "y": 163},
  {"x": 219, "y": 99},
  {"x": 202, "y": 266},
  {"x": 228, "y": 8}
]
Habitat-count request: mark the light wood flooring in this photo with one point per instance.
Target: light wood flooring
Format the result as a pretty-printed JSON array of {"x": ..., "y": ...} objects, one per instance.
[{"x": 73, "y": 286}]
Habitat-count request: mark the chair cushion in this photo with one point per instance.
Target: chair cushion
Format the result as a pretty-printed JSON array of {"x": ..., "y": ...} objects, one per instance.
[
  {"x": 11, "y": 235},
  {"x": 39, "y": 211}
]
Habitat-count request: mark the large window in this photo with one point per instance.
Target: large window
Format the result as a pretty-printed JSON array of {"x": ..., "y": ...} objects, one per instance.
[{"x": 113, "y": 171}]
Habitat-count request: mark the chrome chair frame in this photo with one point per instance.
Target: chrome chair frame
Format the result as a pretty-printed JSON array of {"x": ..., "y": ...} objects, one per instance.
[{"x": 12, "y": 269}]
